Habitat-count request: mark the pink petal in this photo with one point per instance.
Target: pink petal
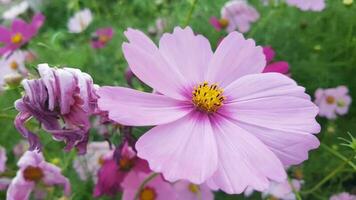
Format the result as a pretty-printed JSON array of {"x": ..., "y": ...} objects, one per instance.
[
  {"x": 5, "y": 35},
  {"x": 280, "y": 67},
  {"x": 19, "y": 189},
  {"x": 184, "y": 149},
  {"x": 134, "y": 108},
  {"x": 190, "y": 54},
  {"x": 215, "y": 23},
  {"x": 147, "y": 63},
  {"x": 243, "y": 160},
  {"x": 234, "y": 58},
  {"x": 53, "y": 176},
  {"x": 269, "y": 53}
]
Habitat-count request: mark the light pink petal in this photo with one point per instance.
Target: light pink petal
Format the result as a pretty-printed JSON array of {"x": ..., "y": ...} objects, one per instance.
[
  {"x": 190, "y": 54},
  {"x": 30, "y": 158},
  {"x": 184, "y": 149},
  {"x": 134, "y": 108},
  {"x": 342, "y": 110},
  {"x": 147, "y": 63},
  {"x": 184, "y": 193},
  {"x": 67, "y": 85},
  {"x": 19, "y": 188},
  {"x": 53, "y": 176},
  {"x": 243, "y": 160},
  {"x": 234, "y": 58}
]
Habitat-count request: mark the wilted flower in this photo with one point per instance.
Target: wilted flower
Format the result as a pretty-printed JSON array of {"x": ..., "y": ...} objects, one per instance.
[
  {"x": 283, "y": 191},
  {"x": 236, "y": 14},
  {"x": 156, "y": 189},
  {"x": 313, "y": 5},
  {"x": 114, "y": 171},
  {"x": 343, "y": 196},
  {"x": 190, "y": 191},
  {"x": 34, "y": 170},
  {"x": 279, "y": 66},
  {"x": 3, "y": 159},
  {"x": 332, "y": 101},
  {"x": 19, "y": 33},
  {"x": 89, "y": 164},
  {"x": 60, "y": 95},
  {"x": 80, "y": 21},
  {"x": 15, "y": 10},
  {"x": 101, "y": 37},
  {"x": 218, "y": 108}
]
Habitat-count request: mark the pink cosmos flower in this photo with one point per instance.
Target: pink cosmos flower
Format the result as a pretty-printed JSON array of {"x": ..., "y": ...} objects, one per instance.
[
  {"x": 219, "y": 118},
  {"x": 3, "y": 159},
  {"x": 114, "y": 171},
  {"x": 34, "y": 170},
  {"x": 279, "y": 66},
  {"x": 19, "y": 33},
  {"x": 156, "y": 189},
  {"x": 332, "y": 101},
  {"x": 236, "y": 14},
  {"x": 283, "y": 191},
  {"x": 343, "y": 196},
  {"x": 89, "y": 164},
  {"x": 101, "y": 37},
  {"x": 60, "y": 95},
  {"x": 313, "y": 5},
  {"x": 190, "y": 191}
]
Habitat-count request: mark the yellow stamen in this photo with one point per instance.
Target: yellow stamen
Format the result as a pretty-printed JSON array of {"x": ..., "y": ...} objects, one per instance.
[
  {"x": 193, "y": 188},
  {"x": 148, "y": 193},
  {"x": 223, "y": 22},
  {"x": 330, "y": 99},
  {"x": 17, "y": 38},
  {"x": 103, "y": 38},
  {"x": 208, "y": 98},
  {"x": 14, "y": 65},
  {"x": 33, "y": 173}
]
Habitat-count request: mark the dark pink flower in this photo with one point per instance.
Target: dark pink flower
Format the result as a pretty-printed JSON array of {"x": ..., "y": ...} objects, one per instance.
[
  {"x": 279, "y": 66},
  {"x": 60, "y": 95},
  {"x": 19, "y": 33},
  {"x": 101, "y": 37}
]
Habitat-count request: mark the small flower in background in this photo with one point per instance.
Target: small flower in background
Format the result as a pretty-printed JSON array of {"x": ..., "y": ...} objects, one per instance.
[
  {"x": 332, "y": 101},
  {"x": 278, "y": 66},
  {"x": 3, "y": 159},
  {"x": 62, "y": 100},
  {"x": 35, "y": 171},
  {"x": 15, "y": 10},
  {"x": 156, "y": 189},
  {"x": 190, "y": 191},
  {"x": 10, "y": 65},
  {"x": 88, "y": 165},
  {"x": 283, "y": 191},
  {"x": 305, "y": 5},
  {"x": 158, "y": 28},
  {"x": 115, "y": 170},
  {"x": 348, "y": 2},
  {"x": 19, "y": 33},
  {"x": 343, "y": 196},
  {"x": 20, "y": 148},
  {"x": 205, "y": 98},
  {"x": 236, "y": 15},
  {"x": 80, "y": 21},
  {"x": 101, "y": 37}
]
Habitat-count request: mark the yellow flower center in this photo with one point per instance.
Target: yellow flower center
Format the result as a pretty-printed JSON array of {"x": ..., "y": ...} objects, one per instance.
[
  {"x": 103, "y": 38},
  {"x": 148, "y": 193},
  {"x": 224, "y": 22},
  {"x": 208, "y": 98},
  {"x": 14, "y": 65},
  {"x": 17, "y": 38},
  {"x": 33, "y": 173},
  {"x": 330, "y": 100},
  {"x": 194, "y": 188}
]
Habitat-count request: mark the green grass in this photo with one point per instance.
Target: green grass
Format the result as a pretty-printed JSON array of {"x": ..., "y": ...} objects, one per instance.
[{"x": 320, "y": 47}]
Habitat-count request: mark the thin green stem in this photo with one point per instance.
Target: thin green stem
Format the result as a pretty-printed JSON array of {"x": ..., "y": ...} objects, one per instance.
[
  {"x": 4, "y": 116},
  {"x": 190, "y": 13},
  {"x": 337, "y": 154},
  {"x": 143, "y": 184}
]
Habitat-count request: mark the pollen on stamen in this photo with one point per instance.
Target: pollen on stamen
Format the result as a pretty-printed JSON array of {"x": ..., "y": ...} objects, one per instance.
[{"x": 208, "y": 98}]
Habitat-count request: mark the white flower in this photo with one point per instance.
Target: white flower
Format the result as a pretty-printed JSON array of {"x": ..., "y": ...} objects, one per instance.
[
  {"x": 12, "y": 64},
  {"x": 80, "y": 21},
  {"x": 15, "y": 10}
]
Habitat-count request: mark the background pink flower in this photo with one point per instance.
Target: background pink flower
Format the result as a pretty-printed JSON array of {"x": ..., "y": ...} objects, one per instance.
[
  {"x": 101, "y": 37},
  {"x": 283, "y": 191},
  {"x": 218, "y": 108},
  {"x": 343, "y": 196},
  {"x": 189, "y": 191},
  {"x": 313, "y": 5},
  {"x": 278, "y": 66}
]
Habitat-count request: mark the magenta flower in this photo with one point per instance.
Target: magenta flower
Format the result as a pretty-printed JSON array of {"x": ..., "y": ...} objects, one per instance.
[
  {"x": 60, "y": 95},
  {"x": 113, "y": 172},
  {"x": 19, "y": 33},
  {"x": 3, "y": 159},
  {"x": 218, "y": 117},
  {"x": 279, "y": 66},
  {"x": 34, "y": 170},
  {"x": 236, "y": 14},
  {"x": 343, "y": 196},
  {"x": 333, "y": 101},
  {"x": 313, "y": 5},
  {"x": 156, "y": 189},
  {"x": 190, "y": 191},
  {"x": 101, "y": 37}
]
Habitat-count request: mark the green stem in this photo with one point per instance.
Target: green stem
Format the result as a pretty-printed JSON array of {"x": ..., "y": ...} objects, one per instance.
[
  {"x": 7, "y": 116},
  {"x": 337, "y": 154},
  {"x": 189, "y": 16},
  {"x": 143, "y": 184}
]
